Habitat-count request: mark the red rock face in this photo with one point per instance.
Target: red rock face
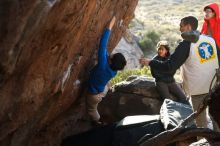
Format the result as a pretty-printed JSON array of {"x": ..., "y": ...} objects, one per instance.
[{"x": 46, "y": 51}]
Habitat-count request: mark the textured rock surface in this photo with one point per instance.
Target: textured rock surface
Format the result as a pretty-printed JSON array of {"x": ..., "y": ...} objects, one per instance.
[
  {"x": 135, "y": 96},
  {"x": 46, "y": 49}
]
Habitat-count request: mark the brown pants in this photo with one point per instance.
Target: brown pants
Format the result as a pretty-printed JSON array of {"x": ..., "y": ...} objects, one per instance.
[
  {"x": 92, "y": 101},
  {"x": 201, "y": 120}
]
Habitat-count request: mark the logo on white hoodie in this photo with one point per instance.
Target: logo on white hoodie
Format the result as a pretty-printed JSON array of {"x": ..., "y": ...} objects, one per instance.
[{"x": 206, "y": 52}]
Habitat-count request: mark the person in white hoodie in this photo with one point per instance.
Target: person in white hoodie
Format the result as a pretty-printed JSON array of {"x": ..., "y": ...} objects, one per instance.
[{"x": 198, "y": 61}]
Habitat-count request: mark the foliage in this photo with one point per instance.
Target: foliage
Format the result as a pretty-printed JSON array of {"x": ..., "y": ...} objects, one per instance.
[
  {"x": 164, "y": 17},
  {"x": 149, "y": 41},
  {"x": 123, "y": 75}
]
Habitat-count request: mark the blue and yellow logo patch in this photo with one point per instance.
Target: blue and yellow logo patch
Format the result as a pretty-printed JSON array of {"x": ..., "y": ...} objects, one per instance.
[{"x": 206, "y": 52}]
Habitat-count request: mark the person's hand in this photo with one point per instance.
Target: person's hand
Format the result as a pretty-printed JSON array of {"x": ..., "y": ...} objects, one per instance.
[
  {"x": 145, "y": 61},
  {"x": 101, "y": 95},
  {"x": 112, "y": 22}
]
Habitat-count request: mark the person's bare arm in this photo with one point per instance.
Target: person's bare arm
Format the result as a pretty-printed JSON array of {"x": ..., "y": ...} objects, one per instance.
[{"x": 112, "y": 22}]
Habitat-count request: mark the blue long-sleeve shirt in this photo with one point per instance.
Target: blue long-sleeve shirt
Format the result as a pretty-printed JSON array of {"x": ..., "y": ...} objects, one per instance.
[{"x": 101, "y": 73}]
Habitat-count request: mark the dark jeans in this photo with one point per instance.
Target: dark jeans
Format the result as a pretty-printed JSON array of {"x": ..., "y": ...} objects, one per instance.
[{"x": 165, "y": 89}]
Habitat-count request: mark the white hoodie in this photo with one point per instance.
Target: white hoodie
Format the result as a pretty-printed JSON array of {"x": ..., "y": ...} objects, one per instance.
[{"x": 199, "y": 68}]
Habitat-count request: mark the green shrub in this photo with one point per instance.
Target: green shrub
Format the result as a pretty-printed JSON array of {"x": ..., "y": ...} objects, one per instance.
[
  {"x": 149, "y": 41},
  {"x": 123, "y": 75},
  {"x": 146, "y": 44}
]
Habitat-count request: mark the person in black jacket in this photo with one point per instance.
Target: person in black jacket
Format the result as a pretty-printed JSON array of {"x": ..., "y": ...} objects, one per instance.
[{"x": 165, "y": 82}]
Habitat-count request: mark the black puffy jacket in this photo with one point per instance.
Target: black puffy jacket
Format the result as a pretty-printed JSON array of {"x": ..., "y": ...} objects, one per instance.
[{"x": 167, "y": 77}]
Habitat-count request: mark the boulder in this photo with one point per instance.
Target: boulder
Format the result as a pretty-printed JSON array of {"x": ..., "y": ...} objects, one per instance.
[{"x": 135, "y": 96}]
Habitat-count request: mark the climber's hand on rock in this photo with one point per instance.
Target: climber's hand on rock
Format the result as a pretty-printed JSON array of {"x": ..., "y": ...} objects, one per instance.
[{"x": 112, "y": 22}]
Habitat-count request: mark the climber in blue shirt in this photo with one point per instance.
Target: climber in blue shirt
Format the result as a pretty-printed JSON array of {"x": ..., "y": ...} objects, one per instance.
[{"x": 102, "y": 73}]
